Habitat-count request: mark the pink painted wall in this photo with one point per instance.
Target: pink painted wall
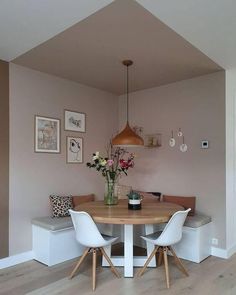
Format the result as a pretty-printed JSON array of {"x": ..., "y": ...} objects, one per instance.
[
  {"x": 34, "y": 176},
  {"x": 198, "y": 107}
]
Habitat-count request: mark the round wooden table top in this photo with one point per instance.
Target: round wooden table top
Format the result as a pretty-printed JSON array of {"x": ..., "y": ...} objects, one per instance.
[{"x": 151, "y": 212}]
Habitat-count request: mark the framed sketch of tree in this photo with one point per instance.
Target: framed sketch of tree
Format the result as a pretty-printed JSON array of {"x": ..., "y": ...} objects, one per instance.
[
  {"x": 74, "y": 121},
  {"x": 47, "y": 135}
]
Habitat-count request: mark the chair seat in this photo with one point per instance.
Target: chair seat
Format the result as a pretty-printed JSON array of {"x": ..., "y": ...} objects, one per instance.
[
  {"x": 108, "y": 240},
  {"x": 152, "y": 237}
]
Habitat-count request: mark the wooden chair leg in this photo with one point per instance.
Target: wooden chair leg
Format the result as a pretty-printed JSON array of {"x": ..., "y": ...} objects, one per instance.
[
  {"x": 166, "y": 267},
  {"x": 79, "y": 263},
  {"x": 178, "y": 261},
  {"x": 147, "y": 262},
  {"x": 113, "y": 269},
  {"x": 94, "y": 269},
  {"x": 160, "y": 256}
]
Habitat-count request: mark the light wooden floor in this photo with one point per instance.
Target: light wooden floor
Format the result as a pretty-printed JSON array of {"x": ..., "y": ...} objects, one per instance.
[{"x": 213, "y": 276}]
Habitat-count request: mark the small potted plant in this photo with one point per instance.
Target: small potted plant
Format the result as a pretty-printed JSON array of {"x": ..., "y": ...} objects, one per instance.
[{"x": 134, "y": 201}]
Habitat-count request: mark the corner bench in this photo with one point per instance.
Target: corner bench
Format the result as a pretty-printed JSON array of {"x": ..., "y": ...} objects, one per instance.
[{"x": 54, "y": 240}]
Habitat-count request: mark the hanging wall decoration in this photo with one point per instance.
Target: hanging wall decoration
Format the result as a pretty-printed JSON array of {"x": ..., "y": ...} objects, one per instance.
[
  {"x": 183, "y": 147},
  {"x": 74, "y": 150},
  {"x": 47, "y": 135},
  {"x": 180, "y": 133},
  {"x": 74, "y": 121},
  {"x": 172, "y": 142}
]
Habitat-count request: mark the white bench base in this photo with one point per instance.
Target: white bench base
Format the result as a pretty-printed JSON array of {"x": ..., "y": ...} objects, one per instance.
[
  {"x": 53, "y": 247},
  {"x": 195, "y": 244}
]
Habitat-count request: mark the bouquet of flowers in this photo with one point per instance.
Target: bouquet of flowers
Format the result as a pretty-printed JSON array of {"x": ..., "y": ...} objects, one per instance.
[{"x": 117, "y": 162}]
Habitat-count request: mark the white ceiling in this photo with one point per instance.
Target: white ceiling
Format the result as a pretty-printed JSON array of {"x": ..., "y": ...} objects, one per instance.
[
  {"x": 24, "y": 24},
  {"x": 207, "y": 24}
]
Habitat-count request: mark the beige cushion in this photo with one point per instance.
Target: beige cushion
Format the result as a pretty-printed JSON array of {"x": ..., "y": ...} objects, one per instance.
[
  {"x": 53, "y": 223},
  {"x": 197, "y": 220}
]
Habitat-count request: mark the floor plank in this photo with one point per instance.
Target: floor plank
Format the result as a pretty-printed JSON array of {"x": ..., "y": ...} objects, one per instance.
[{"x": 213, "y": 276}]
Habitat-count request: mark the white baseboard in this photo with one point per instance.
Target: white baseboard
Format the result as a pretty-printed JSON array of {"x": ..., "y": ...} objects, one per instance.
[
  {"x": 16, "y": 259},
  {"x": 231, "y": 251},
  {"x": 223, "y": 253},
  {"x": 219, "y": 252}
]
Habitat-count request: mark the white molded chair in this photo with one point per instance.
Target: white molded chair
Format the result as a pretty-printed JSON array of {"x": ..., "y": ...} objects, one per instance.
[
  {"x": 163, "y": 240},
  {"x": 88, "y": 235}
]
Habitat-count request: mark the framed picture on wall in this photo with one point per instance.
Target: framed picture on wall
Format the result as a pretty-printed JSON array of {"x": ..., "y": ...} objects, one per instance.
[
  {"x": 47, "y": 135},
  {"x": 74, "y": 148},
  {"x": 74, "y": 121}
]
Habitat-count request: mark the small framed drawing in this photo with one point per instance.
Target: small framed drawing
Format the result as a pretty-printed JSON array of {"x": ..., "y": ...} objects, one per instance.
[
  {"x": 74, "y": 147},
  {"x": 74, "y": 121},
  {"x": 47, "y": 135}
]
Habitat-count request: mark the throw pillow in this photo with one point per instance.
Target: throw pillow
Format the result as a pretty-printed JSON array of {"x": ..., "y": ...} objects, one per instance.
[{"x": 61, "y": 205}]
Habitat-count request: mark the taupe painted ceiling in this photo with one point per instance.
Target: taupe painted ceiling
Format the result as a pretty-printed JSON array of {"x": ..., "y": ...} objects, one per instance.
[{"x": 91, "y": 51}]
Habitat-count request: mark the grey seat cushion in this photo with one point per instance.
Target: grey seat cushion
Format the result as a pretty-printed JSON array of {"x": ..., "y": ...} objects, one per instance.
[
  {"x": 197, "y": 220},
  {"x": 53, "y": 223},
  {"x": 191, "y": 221}
]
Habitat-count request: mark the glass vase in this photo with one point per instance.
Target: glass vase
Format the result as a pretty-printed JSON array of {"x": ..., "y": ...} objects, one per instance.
[{"x": 111, "y": 193}]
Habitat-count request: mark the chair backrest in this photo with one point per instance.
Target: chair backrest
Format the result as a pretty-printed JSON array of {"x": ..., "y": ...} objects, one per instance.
[
  {"x": 87, "y": 233},
  {"x": 172, "y": 232}
]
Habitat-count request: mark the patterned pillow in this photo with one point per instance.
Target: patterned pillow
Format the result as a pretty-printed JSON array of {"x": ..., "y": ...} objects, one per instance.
[{"x": 61, "y": 205}]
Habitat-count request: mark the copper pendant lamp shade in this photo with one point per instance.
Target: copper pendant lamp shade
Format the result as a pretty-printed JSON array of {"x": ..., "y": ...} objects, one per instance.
[{"x": 127, "y": 137}]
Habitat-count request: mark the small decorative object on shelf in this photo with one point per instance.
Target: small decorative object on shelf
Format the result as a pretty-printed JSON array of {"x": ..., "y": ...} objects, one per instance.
[
  {"x": 117, "y": 162},
  {"x": 152, "y": 140},
  {"x": 134, "y": 201}
]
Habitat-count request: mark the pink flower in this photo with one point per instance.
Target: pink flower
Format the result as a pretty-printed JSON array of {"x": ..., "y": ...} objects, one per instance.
[
  {"x": 124, "y": 164},
  {"x": 110, "y": 162}
]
